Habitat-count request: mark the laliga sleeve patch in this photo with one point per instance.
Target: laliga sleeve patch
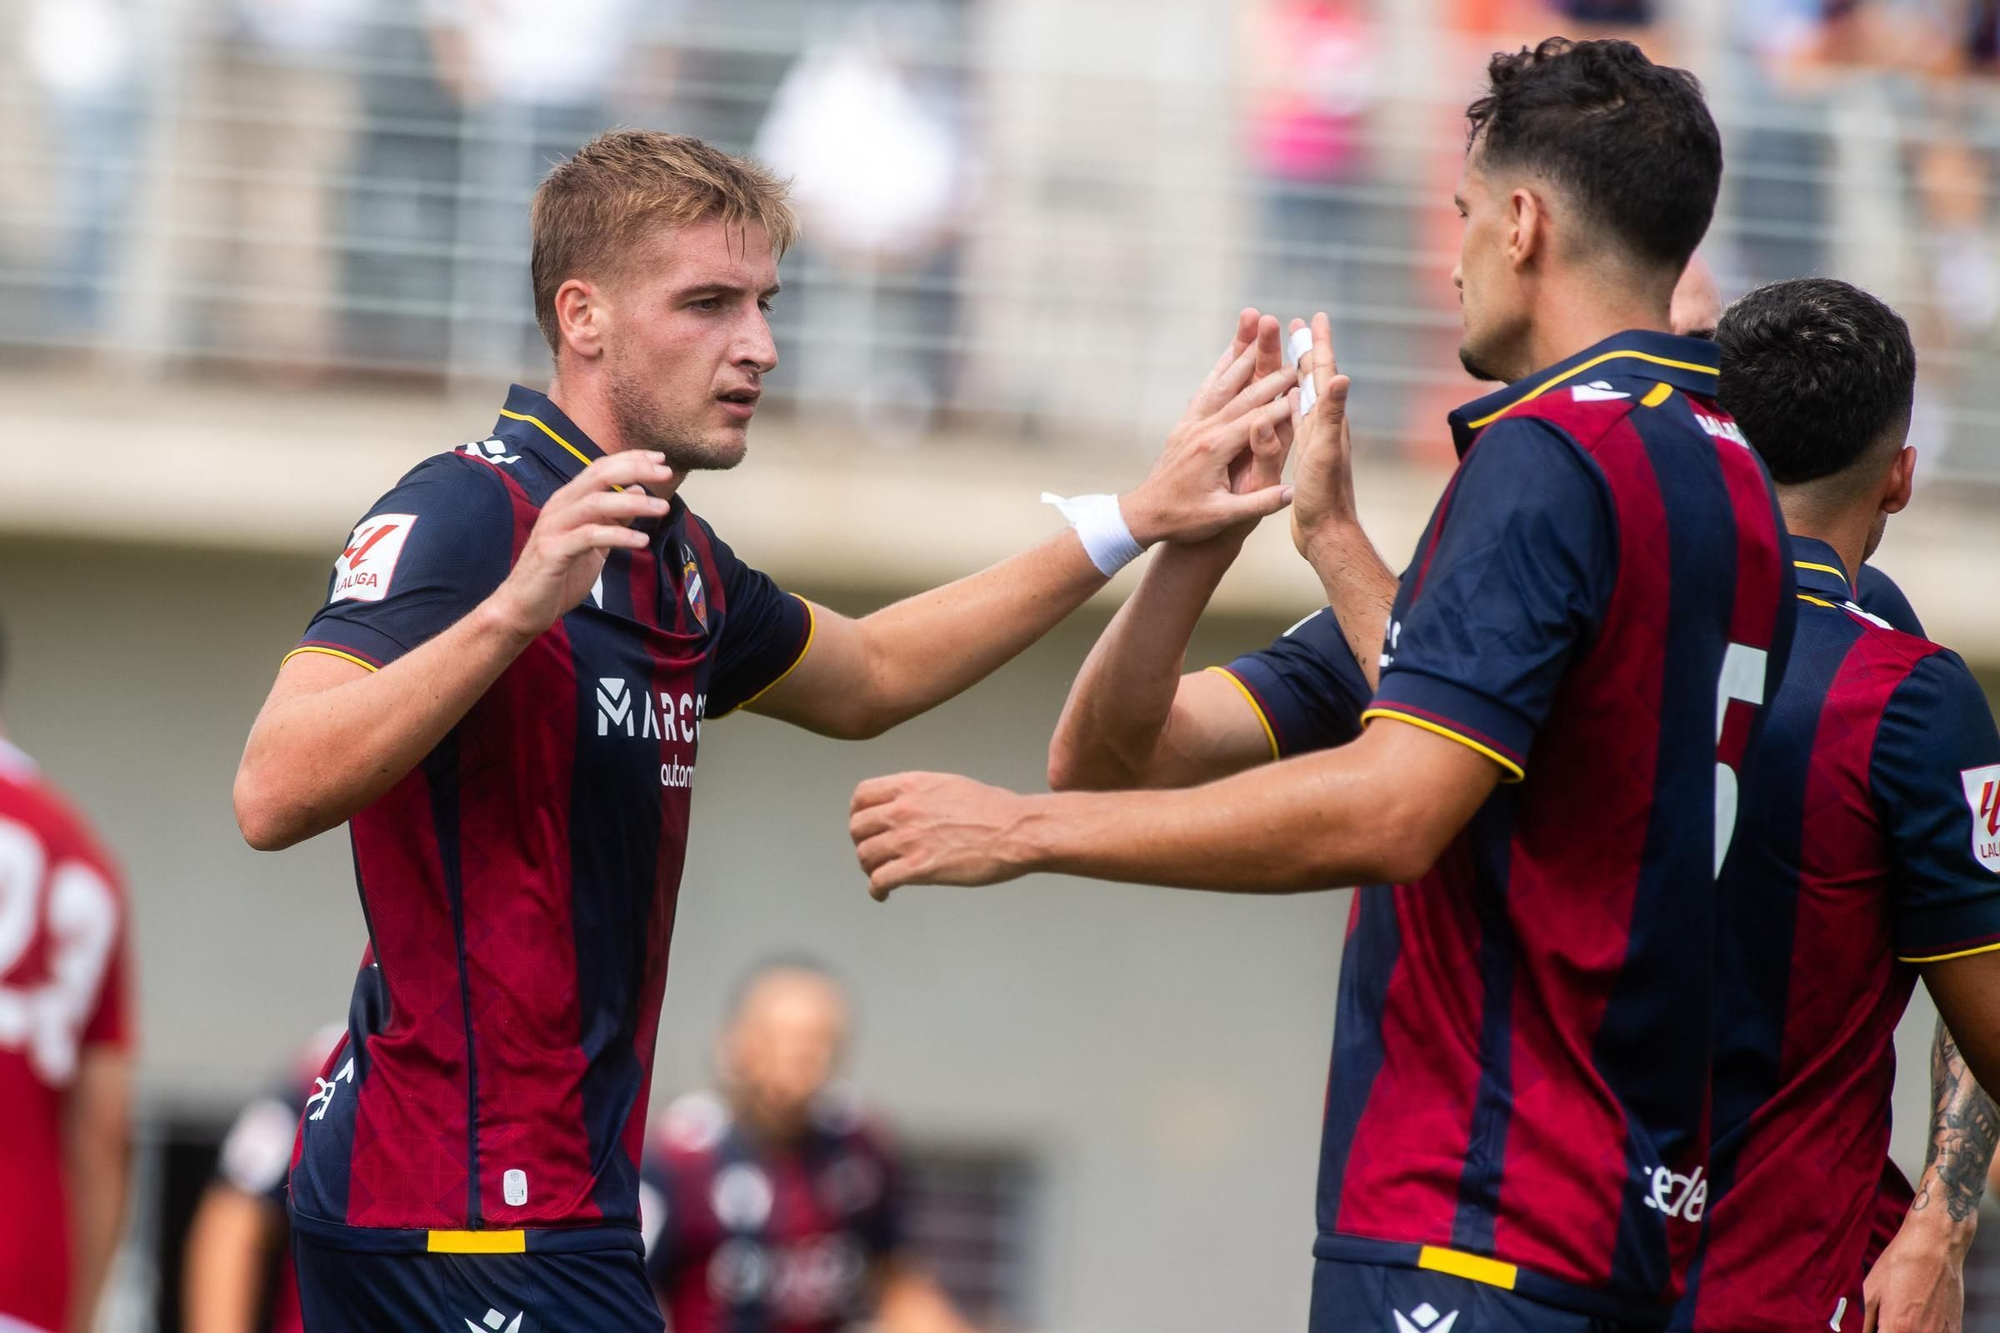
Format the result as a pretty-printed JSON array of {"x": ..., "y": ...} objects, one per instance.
[
  {"x": 1982, "y": 794},
  {"x": 364, "y": 569}
]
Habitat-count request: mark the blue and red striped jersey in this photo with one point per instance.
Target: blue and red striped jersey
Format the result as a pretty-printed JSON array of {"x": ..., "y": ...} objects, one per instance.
[
  {"x": 519, "y": 884},
  {"x": 1870, "y": 842},
  {"x": 744, "y": 1235},
  {"x": 1601, "y": 600}
]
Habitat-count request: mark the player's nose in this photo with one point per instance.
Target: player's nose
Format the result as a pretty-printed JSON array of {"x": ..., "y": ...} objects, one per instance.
[{"x": 758, "y": 350}]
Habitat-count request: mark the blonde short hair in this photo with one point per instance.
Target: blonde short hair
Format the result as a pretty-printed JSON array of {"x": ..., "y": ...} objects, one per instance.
[{"x": 622, "y": 185}]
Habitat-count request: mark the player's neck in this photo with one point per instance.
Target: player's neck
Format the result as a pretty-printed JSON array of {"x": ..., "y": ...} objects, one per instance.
[
  {"x": 1576, "y": 314},
  {"x": 590, "y": 410},
  {"x": 1847, "y": 534}
]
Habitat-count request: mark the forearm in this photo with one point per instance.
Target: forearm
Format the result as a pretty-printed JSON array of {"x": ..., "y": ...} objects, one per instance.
[
  {"x": 925, "y": 649},
  {"x": 1318, "y": 822},
  {"x": 227, "y": 1248},
  {"x": 97, "y": 1152},
  {"x": 1360, "y": 588},
  {"x": 1119, "y": 709},
  {"x": 1964, "y": 1128},
  {"x": 315, "y": 759}
]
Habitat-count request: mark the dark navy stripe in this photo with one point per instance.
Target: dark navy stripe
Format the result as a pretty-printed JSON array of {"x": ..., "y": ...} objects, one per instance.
[
  {"x": 441, "y": 775},
  {"x": 1493, "y": 1104},
  {"x": 1366, "y": 967},
  {"x": 1665, "y": 987},
  {"x": 614, "y": 848}
]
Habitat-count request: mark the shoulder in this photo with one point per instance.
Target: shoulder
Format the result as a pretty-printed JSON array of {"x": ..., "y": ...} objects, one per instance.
[
  {"x": 59, "y": 825},
  {"x": 844, "y": 1119}
]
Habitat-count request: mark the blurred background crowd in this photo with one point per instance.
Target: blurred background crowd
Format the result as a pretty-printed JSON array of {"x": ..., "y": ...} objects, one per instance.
[{"x": 257, "y": 257}]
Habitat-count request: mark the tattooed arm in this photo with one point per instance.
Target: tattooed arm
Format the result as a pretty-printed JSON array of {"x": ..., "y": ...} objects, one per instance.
[{"x": 1918, "y": 1284}]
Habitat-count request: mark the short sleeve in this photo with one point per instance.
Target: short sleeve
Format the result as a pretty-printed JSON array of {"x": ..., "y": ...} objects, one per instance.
[
  {"x": 110, "y": 1021},
  {"x": 765, "y": 630},
  {"x": 256, "y": 1155},
  {"x": 427, "y": 553},
  {"x": 1522, "y": 560},
  {"x": 1935, "y": 773},
  {"x": 1877, "y": 594},
  {"x": 1306, "y": 687}
]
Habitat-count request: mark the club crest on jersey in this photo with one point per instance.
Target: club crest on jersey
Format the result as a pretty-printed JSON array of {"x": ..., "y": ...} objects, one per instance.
[
  {"x": 1982, "y": 796},
  {"x": 697, "y": 595},
  {"x": 364, "y": 568}
]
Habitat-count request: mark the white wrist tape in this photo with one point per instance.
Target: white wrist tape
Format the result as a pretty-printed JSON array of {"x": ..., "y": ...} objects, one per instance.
[
  {"x": 1301, "y": 347},
  {"x": 1100, "y": 525}
]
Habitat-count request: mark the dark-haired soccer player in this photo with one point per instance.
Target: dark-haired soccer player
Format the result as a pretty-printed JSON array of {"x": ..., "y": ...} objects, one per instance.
[
  {"x": 775, "y": 1204},
  {"x": 1868, "y": 850},
  {"x": 1516, "y": 1127},
  {"x": 503, "y": 695}
]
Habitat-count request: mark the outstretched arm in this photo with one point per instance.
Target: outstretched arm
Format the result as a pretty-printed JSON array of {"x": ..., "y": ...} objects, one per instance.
[
  {"x": 1133, "y": 717},
  {"x": 1918, "y": 1285},
  {"x": 861, "y": 677},
  {"x": 1380, "y": 810}
]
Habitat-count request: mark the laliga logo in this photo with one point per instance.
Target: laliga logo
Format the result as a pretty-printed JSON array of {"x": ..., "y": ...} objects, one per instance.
[
  {"x": 1982, "y": 797},
  {"x": 1680, "y": 1197}
]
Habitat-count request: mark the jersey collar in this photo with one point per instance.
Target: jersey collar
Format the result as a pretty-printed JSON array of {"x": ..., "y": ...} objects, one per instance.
[
  {"x": 1689, "y": 364},
  {"x": 1819, "y": 569},
  {"x": 531, "y": 421}
]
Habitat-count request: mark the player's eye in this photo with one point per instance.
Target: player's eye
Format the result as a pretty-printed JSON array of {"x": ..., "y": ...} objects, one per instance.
[
  {"x": 764, "y": 303},
  {"x": 705, "y": 303}
]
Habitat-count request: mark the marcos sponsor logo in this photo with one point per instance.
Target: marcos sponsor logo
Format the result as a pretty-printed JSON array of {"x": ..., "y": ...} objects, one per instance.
[
  {"x": 622, "y": 711},
  {"x": 365, "y": 568},
  {"x": 1982, "y": 797}
]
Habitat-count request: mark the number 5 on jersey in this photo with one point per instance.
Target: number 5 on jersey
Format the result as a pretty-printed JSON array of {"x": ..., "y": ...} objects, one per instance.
[{"x": 1742, "y": 680}]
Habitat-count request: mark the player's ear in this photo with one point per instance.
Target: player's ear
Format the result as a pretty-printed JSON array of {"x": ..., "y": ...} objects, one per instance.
[
  {"x": 580, "y": 318},
  {"x": 1901, "y": 480},
  {"x": 1527, "y": 225}
]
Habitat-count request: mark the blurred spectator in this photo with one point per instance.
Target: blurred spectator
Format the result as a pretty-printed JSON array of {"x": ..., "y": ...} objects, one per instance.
[
  {"x": 65, "y": 1055},
  {"x": 1309, "y": 138},
  {"x": 775, "y": 1205},
  {"x": 281, "y": 106},
  {"x": 81, "y": 55},
  {"x": 873, "y": 146},
  {"x": 239, "y": 1264},
  {"x": 533, "y": 80}
]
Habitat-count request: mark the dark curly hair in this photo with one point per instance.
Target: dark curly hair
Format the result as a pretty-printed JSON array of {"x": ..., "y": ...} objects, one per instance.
[
  {"x": 1816, "y": 372},
  {"x": 1630, "y": 142}
]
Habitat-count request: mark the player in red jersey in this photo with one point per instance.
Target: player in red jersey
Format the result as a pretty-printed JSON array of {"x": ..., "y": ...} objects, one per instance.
[
  {"x": 504, "y": 693},
  {"x": 776, "y": 1206},
  {"x": 238, "y": 1261},
  {"x": 65, "y": 1056},
  {"x": 1516, "y": 1126}
]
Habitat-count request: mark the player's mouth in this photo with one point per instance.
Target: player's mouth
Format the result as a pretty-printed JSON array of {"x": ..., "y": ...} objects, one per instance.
[{"x": 740, "y": 403}]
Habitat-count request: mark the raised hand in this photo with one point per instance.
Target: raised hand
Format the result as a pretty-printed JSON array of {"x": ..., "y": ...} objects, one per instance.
[
  {"x": 1323, "y": 483},
  {"x": 937, "y": 828},
  {"x": 580, "y": 525},
  {"x": 1190, "y": 494}
]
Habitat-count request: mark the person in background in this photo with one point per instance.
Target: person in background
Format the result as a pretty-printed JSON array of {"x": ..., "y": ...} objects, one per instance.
[
  {"x": 238, "y": 1260},
  {"x": 65, "y": 1055},
  {"x": 772, "y": 1205}
]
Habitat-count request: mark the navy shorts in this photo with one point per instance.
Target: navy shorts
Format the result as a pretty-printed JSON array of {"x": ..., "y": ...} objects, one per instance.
[
  {"x": 353, "y": 1291},
  {"x": 1370, "y": 1298}
]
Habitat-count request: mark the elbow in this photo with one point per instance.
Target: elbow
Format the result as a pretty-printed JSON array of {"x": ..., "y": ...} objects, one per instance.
[
  {"x": 1065, "y": 772},
  {"x": 1405, "y": 843},
  {"x": 262, "y": 819}
]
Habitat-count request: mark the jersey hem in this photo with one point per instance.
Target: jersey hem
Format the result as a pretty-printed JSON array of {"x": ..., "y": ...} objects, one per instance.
[
  {"x": 1489, "y": 1271},
  {"x": 422, "y": 1240},
  {"x": 1510, "y": 770},
  {"x": 812, "y": 628}
]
